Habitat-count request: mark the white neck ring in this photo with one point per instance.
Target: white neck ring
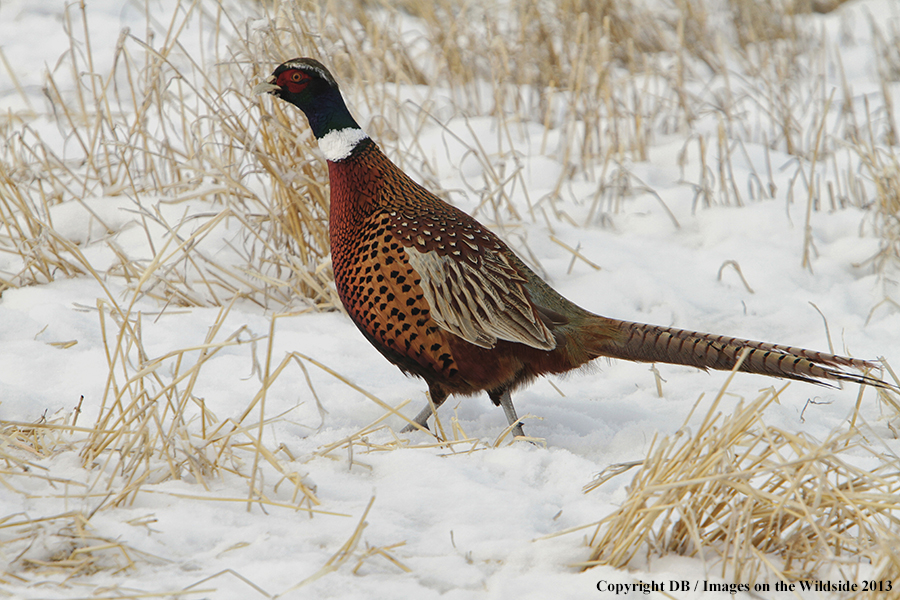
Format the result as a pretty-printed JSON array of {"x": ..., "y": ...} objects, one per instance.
[{"x": 337, "y": 145}]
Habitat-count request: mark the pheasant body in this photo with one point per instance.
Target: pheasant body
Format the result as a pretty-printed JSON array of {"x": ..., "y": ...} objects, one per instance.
[
  {"x": 379, "y": 250},
  {"x": 445, "y": 299}
]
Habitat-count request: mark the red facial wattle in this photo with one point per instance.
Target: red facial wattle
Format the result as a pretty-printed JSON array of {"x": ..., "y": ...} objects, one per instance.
[{"x": 293, "y": 81}]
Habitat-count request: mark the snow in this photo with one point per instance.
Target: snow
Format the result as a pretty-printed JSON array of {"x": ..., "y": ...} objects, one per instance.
[{"x": 466, "y": 522}]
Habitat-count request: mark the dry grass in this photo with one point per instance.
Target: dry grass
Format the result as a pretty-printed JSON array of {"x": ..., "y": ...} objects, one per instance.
[
  {"x": 759, "y": 504},
  {"x": 610, "y": 76},
  {"x": 231, "y": 199},
  {"x": 152, "y": 428},
  {"x": 168, "y": 132}
]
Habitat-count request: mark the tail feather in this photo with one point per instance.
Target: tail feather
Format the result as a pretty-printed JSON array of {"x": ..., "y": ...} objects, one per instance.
[{"x": 651, "y": 343}]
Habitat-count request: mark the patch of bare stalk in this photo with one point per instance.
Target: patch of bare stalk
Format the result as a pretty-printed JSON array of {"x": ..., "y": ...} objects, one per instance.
[
  {"x": 166, "y": 128},
  {"x": 154, "y": 425},
  {"x": 759, "y": 504}
]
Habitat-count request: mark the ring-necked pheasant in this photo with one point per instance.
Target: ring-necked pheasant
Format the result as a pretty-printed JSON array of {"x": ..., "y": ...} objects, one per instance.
[{"x": 444, "y": 299}]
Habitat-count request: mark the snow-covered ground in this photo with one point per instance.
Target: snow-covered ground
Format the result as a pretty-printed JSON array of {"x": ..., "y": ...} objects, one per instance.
[{"x": 456, "y": 523}]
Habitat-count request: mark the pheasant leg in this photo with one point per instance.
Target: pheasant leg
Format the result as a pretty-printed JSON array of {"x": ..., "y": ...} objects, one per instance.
[
  {"x": 503, "y": 398},
  {"x": 437, "y": 398}
]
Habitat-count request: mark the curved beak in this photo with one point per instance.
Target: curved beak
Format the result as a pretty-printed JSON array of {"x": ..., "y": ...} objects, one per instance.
[{"x": 266, "y": 87}]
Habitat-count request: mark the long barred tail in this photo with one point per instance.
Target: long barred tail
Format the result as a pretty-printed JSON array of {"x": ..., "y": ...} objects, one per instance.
[{"x": 651, "y": 343}]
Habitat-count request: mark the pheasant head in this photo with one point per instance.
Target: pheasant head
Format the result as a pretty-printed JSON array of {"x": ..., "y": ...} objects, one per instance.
[{"x": 307, "y": 84}]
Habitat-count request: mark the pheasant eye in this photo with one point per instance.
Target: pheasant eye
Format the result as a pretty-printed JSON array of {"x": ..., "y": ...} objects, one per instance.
[{"x": 296, "y": 76}]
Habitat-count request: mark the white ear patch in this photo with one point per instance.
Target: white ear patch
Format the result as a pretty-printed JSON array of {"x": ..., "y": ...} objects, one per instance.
[{"x": 337, "y": 145}]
